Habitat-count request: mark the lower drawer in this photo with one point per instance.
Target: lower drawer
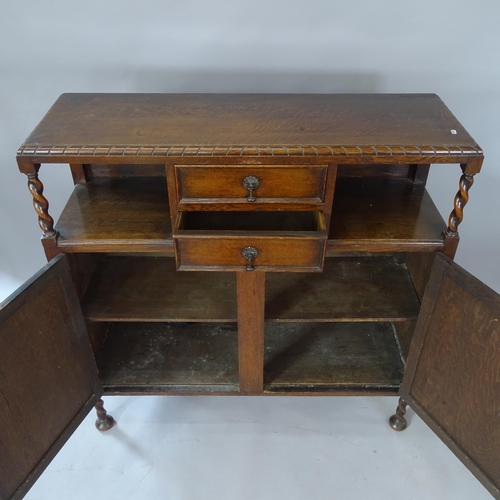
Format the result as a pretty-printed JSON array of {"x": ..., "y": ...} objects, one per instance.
[{"x": 262, "y": 241}]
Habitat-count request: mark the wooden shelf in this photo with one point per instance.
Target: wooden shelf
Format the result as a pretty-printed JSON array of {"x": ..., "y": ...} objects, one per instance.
[
  {"x": 132, "y": 214},
  {"x": 332, "y": 357},
  {"x": 117, "y": 215},
  {"x": 348, "y": 289},
  {"x": 201, "y": 358},
  {"x": 165, "y": 358},
  {"x": 383, "y": 215},
  {"x": 150, "y": 289}
]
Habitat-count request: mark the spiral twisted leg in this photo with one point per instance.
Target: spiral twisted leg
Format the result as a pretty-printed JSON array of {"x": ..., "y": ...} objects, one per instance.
[
  {"x": 461, "y": 199},
  {"x": 104, "y": 421},
  {"x": 45, "y": 221},
  {"x": 398, "y": 421}
]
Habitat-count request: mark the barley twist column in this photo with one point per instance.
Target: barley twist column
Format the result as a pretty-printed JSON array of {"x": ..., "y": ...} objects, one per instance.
[{"x": 45, "y": 221}]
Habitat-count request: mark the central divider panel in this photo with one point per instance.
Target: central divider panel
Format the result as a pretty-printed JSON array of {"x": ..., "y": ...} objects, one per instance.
[{"x": 250, "y": 287}]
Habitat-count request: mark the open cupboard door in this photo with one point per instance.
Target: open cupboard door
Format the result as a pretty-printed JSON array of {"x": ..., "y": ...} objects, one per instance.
[
  {"x": 452, "y": 378},
  {"x": 48, "y": 377}
]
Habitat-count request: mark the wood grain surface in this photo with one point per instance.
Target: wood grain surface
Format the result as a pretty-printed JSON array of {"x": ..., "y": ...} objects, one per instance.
[
  {"x": 250, "y": 289},
  {"x": 150, "y": 289},
  {"x": 117, "y": 215},
  {"x": 348, "y": 289},
  {"x": 305, "y": 183},
  {"x": 48, "y": 377},
  {"x": 149, "y": 121},
  {"x": 170, "y": 358},
  {"x": 331, "y": 357},
  {"x": 383, "y": 214},
  {"x": 453, "y": 371}
]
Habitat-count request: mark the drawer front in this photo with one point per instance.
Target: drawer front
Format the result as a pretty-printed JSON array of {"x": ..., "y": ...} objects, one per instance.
[
  {"x": 250, "y": 184},
  {"x": 250, "y": 253}
]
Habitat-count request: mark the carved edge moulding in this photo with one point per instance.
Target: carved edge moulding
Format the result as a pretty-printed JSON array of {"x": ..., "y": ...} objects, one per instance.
[{"x": 292, "y": 150}]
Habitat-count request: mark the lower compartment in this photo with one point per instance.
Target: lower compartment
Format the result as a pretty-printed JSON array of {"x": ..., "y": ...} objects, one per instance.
[
  {"x": 170, "y": 358},
  {"x": 332, "y": 357},
  {"x": 299, "y": 358}
]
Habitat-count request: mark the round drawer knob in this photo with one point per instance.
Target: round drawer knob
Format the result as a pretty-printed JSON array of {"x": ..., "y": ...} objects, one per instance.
[
  {"x": 250, "y": 253},
  {"x": 251, "y": 183}
]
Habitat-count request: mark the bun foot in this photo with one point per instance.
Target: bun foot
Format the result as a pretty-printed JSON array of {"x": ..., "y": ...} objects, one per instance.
[
  {"x": 104, "y": 421},
  {"x": 398, "y": 421}
]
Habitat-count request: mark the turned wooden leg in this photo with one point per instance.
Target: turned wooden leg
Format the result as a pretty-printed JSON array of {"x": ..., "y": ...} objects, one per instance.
[
  {"x": 398, "y": 421},
  {"x": 104, "y": 421},
  {"x": 461, "y": 199},
  {"x": 40, "y": 203}
]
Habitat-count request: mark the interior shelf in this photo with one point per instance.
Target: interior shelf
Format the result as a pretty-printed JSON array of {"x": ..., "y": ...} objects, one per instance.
[
  {"x": 170, "y": 358},
  {"x": 383, "y": 214},
  {"x": 122, "y": 214},
  {"x": 348, "y": 289},
  {"x": 201, "y": 358},
  {"x": 150, "y": 289},
  {"x": 336, "y": 357}
]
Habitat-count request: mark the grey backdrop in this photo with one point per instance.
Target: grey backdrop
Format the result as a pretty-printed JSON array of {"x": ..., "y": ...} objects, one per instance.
[{"x": 448, "y": 47}]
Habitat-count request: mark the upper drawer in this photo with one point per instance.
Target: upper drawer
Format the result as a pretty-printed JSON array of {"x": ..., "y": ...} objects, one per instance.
[{"x": 250, "y": 185}]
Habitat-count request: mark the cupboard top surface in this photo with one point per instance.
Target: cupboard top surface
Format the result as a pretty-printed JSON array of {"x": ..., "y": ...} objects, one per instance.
[{"x": 249, "y": 125}]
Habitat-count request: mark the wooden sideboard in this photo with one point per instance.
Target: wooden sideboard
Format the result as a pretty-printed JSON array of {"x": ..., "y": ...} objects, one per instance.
[{"x": 249, "y": 245}]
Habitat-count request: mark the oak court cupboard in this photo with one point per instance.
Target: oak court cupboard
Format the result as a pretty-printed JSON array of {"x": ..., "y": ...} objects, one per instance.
[{"x": 249, "y": 245}]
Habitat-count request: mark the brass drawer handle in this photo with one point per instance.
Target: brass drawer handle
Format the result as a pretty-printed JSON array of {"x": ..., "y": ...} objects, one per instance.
[
  {"x": 251, "y": 183},
  {"x": 250, "y": 253}
]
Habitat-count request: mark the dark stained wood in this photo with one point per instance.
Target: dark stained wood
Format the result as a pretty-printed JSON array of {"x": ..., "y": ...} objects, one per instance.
[
  {"x": 259, "y": 222},
  {"x": 346, "y": 331},
  {"x": 214, "y": 241},
  {"x": 461, "y": 199},
  {"x": 390, "y": 170},
  {"x": 404, "y": 331},
  {"x": 348, "y": 289},
  {"x": 398, "y": 421},
  {"x": 196, "y": 358},
  {"x": 82, "y": 266},
  {"x": 40, "y": 204},
  {"x": 380, "y": 214},
  {"x": 124, "y": 170},
  {"x": 50, "y": 249},
  {"x": 104, "y": 422},
  {"x": 172, "y": 192},
  {"x": 369, "y": 215},
  {"x": 332, "y": 357},
  {"x": 473, "y": 165},
  {"x": 331, "y": 180},
  {"x": 275, "y": 253},
  {"x": 418, "y": 121},
  {"x": 97, "y": 331},
  {"x": 209, "y": 184},
  {"x": 419, "y": 266},
  {"x": 116, "y": 215},
  {"x": 250, "y": 289},
  {"x": 79, "y": 173},
  {"x": 419, "y": 173},
  {"x": 49, "y": 378},
  {"x": 453, "y": 373},
  {"x": 150, "y": 289}
]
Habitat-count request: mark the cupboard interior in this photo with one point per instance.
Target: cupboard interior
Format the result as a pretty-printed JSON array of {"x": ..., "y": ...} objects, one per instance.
[
  {"x": 345, "y": 330},
  {"x": 157, "y": 330}
]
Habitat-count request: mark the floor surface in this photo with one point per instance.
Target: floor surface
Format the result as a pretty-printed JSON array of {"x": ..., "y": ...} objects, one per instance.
[{"x": 255, "y": 448}]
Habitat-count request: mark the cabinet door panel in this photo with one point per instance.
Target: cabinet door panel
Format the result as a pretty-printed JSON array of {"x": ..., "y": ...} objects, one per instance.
[
  {"x": 452, "y": 378},
  {"x": 48, "y": 378}
]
